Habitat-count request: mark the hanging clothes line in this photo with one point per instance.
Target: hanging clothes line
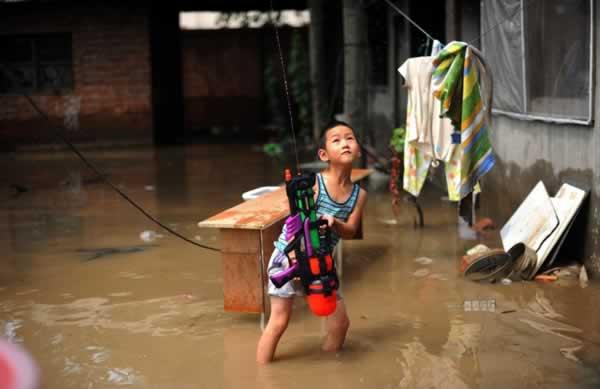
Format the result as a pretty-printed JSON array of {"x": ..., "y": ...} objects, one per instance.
[
  {"x": 285, "y": 86},
  {"x": 525, "y": 4},
  {"x": 409, "y": 19},
  {"x": 467, "y": 152},
  {"x": 456, "y": 131}
]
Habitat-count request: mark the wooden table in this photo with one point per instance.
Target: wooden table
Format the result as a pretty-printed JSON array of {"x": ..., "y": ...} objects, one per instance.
[{"x": 247, "y": 233}]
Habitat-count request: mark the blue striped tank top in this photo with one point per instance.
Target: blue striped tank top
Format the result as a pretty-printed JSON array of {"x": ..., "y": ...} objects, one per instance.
[{"x": 327, "y": 206}]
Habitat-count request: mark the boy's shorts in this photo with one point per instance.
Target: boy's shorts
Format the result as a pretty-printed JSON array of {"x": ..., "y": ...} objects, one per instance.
[{"x": 279, "y": 262}]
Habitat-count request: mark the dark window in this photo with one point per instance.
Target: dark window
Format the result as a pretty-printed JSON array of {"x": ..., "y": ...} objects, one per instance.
[
  {"x": 36, "y": 63},
  {"x": 540, "y": 57},
  {"x": 557, "y": 42}
]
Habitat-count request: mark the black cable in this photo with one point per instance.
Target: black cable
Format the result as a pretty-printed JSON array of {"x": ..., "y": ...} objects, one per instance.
[
  {"x": 285, "y": 85},
  {"x": 520, "y": 9},
  {"x": 97, "y": 172},
  {"x": 133, "y": 203},
  {"x": 398, "y": 10}
]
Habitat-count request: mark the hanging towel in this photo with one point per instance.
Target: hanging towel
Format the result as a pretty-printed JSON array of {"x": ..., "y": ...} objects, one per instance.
[
  {"x": 456, "y": 83},
  {"x": 436, "y": 47}
]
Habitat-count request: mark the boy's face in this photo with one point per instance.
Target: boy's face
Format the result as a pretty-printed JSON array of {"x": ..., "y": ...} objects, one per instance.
[{"x": 341, "y": 146}]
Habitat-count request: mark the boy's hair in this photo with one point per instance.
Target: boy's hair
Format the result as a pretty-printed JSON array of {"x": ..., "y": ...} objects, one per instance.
[{"x": 329, "y": 126}]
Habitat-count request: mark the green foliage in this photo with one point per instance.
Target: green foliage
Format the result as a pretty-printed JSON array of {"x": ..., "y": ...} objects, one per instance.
[
  {"x": 273, "y": 149},
  {"x": 397, "y": 139}
]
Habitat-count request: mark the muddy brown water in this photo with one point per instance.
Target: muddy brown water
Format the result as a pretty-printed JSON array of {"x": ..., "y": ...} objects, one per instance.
[{"x": 97, "y": 307}]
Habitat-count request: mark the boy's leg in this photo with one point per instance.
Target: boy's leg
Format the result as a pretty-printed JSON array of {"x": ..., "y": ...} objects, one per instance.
[
  {"x": 337, "y": 326},
  {"x": 281, "y": 311}
]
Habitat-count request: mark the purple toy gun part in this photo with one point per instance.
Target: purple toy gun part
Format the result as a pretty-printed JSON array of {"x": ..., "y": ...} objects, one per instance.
[
  {"x": 293, "y": 224},
  {"x": 279, "y": 258},
  {"x": 307, "y": 242},
  {"x": 285, "y": 276}
]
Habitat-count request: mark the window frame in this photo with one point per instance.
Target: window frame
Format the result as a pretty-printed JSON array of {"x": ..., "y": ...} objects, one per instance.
[
  {"x": 37, "y": 64},
  {"x": 544, "y": 118}
]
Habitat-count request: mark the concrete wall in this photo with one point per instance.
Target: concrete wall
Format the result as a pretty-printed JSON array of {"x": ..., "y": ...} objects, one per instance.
[
  {"x": 387, "y": 103},
  {"x": 382, "y": 99},
  {"x": 111, "y": 65},
  {"x": 528, "y": 152},
  {"x": 531, "y": 151},
  {"x": 463, "y": 21}
]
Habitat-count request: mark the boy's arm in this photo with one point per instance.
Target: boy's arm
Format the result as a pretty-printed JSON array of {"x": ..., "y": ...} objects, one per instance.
[{"x": 348, "y": 229}]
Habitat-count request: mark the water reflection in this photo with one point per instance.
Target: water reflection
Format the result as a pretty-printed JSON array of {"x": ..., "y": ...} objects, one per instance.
[{"x": 150, "y": 314}]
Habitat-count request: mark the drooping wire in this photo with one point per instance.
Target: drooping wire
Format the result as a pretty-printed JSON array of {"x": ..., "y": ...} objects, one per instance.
[
  {"x": 409, "y": 19},
  {"x": 520, "y": 9},
  {"x": 289, "y": 105},
  {"x": 285, "y": 85},
  {"x": 92, "y": 167}
]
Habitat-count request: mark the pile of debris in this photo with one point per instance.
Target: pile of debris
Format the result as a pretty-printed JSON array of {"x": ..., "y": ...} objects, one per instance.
[{"x": 531, "y": 240}]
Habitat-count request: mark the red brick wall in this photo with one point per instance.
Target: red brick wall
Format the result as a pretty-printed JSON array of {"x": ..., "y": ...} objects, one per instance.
[
  {"x": 222, "y": 78},
  {"x": 112, "y": 74}
]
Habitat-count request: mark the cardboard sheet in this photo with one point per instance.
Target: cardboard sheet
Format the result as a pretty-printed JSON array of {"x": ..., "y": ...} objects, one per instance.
[{"x": 542, "y": 222}]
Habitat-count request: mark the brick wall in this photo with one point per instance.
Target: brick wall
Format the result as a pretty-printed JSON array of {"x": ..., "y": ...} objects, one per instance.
[
  {"x": 111, "y": 100},
  {"x": 222, "y": 78}
]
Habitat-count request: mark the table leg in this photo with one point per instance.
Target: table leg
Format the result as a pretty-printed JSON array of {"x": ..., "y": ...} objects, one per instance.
[
  {"x": 267, "y": 237},
  {"x": 242, "y": 279}
]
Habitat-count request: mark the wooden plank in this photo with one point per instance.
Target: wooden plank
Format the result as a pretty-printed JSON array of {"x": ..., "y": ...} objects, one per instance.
[
  {"x": 262, "y": 212},
  {"x": 243, "y": 284},
  {"x": 533, "y": 222},
  {"x": 359, "y": 174},
  {"x": 242, "y": 290},
  {"x": 269, "y": 236},
  {"x": 240, "y": 241},
  {"x": 241, "y": 250},
  {"x": 255, "y": 214},
  {"x": 566, "y": 203}
]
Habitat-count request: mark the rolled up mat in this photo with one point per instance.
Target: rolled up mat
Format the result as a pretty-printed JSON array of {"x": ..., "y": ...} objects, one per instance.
[
  {"x": 490, "y": 266},
  {"x": 525, "y": 260}
]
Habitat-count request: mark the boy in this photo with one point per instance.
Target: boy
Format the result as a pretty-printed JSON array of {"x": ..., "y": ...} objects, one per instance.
[{"x": 338, "y": 201}]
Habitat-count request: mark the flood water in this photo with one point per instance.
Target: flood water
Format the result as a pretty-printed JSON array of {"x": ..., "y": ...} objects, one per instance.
[{"x": 98, "y": 307}]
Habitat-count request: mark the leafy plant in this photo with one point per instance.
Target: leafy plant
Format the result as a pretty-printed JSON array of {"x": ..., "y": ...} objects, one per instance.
[
  {"x": 273, "y": 149},
  {"x": 398, "y": 138}
]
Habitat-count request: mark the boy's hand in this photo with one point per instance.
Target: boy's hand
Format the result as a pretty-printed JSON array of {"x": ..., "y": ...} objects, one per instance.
[{"x": 330, "y": 220}]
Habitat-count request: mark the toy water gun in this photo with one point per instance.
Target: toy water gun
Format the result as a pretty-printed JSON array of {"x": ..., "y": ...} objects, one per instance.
[{"x": 310, "y": 239}]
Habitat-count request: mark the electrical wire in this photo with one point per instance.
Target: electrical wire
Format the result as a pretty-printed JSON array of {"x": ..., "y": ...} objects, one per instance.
[
  {"x": 285, "y": 85},
  {"x": 395, "y": 8},
  {"x": 92, "y": 167}
]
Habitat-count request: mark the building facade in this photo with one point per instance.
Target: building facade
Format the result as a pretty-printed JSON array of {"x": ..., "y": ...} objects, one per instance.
[
  {"x": 87, "y": 67},
  {"x": 544, "y": 124}
]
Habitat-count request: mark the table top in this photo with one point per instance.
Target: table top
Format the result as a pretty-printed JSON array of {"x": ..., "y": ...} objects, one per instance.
[{"x": 263, "y": 211}]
